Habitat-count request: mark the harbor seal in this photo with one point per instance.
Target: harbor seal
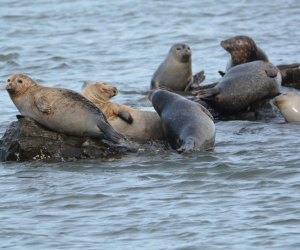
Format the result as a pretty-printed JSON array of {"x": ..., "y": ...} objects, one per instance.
[
  {"x": 140, "y": 126},
  {"x": 289, "y": 106},
  {"x": 242, "y": 49},
  {"x": 243, "y": 85},
  {"x": 60, "y": 110},
  {"x": 188, "y": 126},
  {"x": 175, "y": 72}
]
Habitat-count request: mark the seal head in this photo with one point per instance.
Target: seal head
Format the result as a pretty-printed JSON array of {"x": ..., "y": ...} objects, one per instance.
[{"x": 242, "y": 49}]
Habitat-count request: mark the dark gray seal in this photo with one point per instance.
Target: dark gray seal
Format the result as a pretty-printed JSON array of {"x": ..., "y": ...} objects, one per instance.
[
  {"x": 187, "y": 125},
  {"x": 242, "y": 49},
  {"x": 175, "y": 72},
  {"x": 60, "y": 110},
  {"x": 243, "y": 85}
]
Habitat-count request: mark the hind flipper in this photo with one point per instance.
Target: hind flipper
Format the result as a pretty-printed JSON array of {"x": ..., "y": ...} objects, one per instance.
[
  {"x": 125, "y": 116},
  {"x": 188, "y": 146},
  {"x": 221, "y": 73},
  {"x": 199, "y": 77},
  {"x": 108, "y": 132}
]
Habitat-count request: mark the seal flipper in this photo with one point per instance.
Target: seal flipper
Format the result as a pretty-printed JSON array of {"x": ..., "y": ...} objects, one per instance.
[
  {"x": 221, "y": 73},
  {"x": 199, "y": 77},
  {"x": 108, "y": 132},
  {"x": 125, "y": 116},
  {"x": 188, "y": 146},
  {"x": 43, "y": 105},
  {"x": 208, "y": 94}
]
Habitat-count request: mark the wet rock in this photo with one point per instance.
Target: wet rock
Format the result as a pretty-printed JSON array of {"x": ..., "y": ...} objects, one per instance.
[{"x": 26, "y": 140}]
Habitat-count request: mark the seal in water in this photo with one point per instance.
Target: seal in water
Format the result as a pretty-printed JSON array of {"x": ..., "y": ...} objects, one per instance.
[
  {"x": 59, "y": 109},
  {"x": 175, "y": 72},
  {"x": 187, "y": 125},
  {"x": 242, "y": 49},
  {"x": 289, "y": 106},
  {"x": 138, "y": 125},
  {"x": 243, "y": 85}
]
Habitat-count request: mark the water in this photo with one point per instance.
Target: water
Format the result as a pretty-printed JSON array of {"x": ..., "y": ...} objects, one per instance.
[{"x": 242, "y": 195}]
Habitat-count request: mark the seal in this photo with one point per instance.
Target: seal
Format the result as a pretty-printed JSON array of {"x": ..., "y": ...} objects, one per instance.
[
  {"x": 243, "y": 85},
  {"x": 242, "y": 49},
  {"x": 289, "y": 106},
  {"x": 61, "y": 110},
  {"x": 140, "y": 126},
  {"x": 175, "y": 72},
  {"x": 188, "y": 126}
]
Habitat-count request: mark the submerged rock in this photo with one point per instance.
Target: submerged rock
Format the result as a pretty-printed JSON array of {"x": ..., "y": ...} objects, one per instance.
[{"x": 26, "y": 140}]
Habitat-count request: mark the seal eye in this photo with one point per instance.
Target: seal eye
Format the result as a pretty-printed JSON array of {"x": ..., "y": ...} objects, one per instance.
[
  {"x": 178, "y": 48},
  {"x": 8, "y": 80},
  {"x": 20, "y": 81}
]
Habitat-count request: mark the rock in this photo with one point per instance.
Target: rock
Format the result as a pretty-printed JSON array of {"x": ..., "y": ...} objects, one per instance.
[{"x": 26, "y": 140}]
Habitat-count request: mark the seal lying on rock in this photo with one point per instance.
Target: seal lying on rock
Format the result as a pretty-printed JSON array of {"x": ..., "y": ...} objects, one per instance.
[
  {"x": 242, "y": 49},
  {"x": 243, "y": 85},
  {"x": 188, "y": 125},
  {"x": 59, "y": 109},
  {"x": 175, "y": 72},
  {"x": 289, "y": 106},
  {"x": 141, "y": 126}
]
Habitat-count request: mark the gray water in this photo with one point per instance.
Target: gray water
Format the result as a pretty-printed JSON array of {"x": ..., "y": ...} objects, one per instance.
[{"x": 245, "y": 194}]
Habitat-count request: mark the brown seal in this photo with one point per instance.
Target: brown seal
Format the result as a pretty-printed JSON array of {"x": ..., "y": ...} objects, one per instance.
[
  {"x": 188, "y": 125},
  {"x": 289, "y": 106},
  {"x": 141, "y": 126},
  {"x": 175, "y": 72},
  {"x": 58, "y": 109},
  {"x": 242, "y": 49},
  {"x": 242, "y": 86}
]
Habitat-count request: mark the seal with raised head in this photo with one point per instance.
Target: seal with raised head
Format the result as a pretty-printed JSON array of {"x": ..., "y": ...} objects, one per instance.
[
  {"x": 175, "y": 72},
  {"x": 289, "y": 106},
  {"x": 242, "y": 86},
  {"x": 138, "y": 125},
  {"x": 243, "y": 49},
  {"x": 60, "y": 110},
  {"x": 188, "y": 126}
]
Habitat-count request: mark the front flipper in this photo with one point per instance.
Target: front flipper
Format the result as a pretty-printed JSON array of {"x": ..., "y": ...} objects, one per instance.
[
  {"x": 188, "y": 146},
  {"x": 43, "y": 105},
  {"x": 20, "y": 116},
  {"x": 125, "y": 116},
  {"x": 208, "y": 94}
]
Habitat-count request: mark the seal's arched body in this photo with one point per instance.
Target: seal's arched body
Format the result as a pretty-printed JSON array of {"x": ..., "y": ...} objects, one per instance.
[
  {"x": 243, "y": 85},
  {"x": 187, "y": 125},
  {"x": 289, "y": 106},
  {"x": 59, "y": 109},
  {"x": 243, "y": 49},
  {"x": 141, "y": 126}
]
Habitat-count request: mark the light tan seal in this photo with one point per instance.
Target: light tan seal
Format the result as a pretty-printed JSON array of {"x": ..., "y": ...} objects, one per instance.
[
  {"x": 60, "y": 110},
  {"x": 175, "y": 72},
  {"x": 188, "y": 125},
  {"x": 141, "y": 126},
  {"x": 289, "y": 106}
]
